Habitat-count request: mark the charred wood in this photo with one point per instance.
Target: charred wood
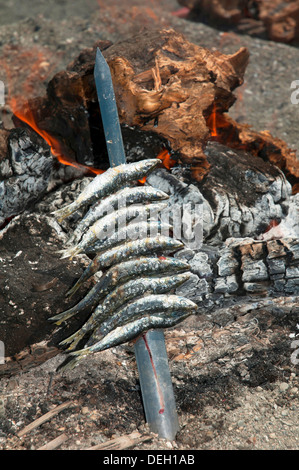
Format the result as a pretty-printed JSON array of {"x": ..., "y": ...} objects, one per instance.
[
  {"x": 170, "y": 93},
  {"x": 240, "y": 197},
  {"x": 243, "y": 272}
]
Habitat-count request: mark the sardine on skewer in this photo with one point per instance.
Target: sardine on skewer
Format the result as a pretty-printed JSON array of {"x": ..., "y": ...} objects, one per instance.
[
  {"x": 121, "y": 295},
  {"x": 119, "y": 274},
  {"x": 119, "y": 200},
  {"x": 131, "y": 249},
  {"x": 127, "y": 332},
  {"x": 106, "y": 183},
  {"x": 108, "y": 226},
  {"x": 145, "y": 305},
  {"x": 133, "y": 231}
]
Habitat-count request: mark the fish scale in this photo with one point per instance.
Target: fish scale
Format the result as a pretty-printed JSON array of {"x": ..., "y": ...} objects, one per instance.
[
  {"x": 130, "y": 330},
  {"x": 107, "y": 227},
  {"x": 148, "y": 304},
  {"x": 125, "y": 333},
  {"x": 129, "y": 249}
]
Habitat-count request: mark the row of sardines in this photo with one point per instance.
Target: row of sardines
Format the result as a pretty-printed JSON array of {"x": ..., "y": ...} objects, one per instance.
[{"x": 127, "y": 241}]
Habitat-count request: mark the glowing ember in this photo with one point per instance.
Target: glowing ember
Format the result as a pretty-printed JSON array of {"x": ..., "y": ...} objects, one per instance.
[
  {"x": 212, "y": 122},
  {"x": 273, "y": 223},
  {"x": 166, "y": 160}
]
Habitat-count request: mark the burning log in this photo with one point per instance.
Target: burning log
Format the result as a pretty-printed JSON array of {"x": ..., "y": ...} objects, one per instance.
[
  {"x": 170, "y": 94},
  {"x": 260, "y": 144},
  {"x": 165, "y": 86},
  {"x": 278, "y": 20}
]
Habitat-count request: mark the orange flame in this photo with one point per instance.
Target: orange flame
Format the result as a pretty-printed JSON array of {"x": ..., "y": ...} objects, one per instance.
[
  {"x": 168, "y": 162},
  {"x": 41, "y": 67},
  {"x": 25, "y": 115},
  {"x": 217, "y": 122},
  {"x": 212, "y": 122},
  {"x": 142, "y": 180}
]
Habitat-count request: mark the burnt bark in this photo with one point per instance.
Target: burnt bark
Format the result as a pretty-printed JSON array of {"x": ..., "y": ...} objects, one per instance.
[
  {"x": 240, "y": 197},
  {"x": 243, "y": 273}
]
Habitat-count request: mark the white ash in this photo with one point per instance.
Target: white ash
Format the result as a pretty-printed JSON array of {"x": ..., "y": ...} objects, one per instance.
[
  {"x": 25, "y": 175},
  {"x": 288, "y": 227},
  {"x": 195, "y": 208},
  {"x": 229, "y": 218}
]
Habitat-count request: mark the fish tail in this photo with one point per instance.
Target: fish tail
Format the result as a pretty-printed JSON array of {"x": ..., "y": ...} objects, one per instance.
[
  {"x": 74, "y": 239},
  {"x": 74, "y": 339},
  {"x": 69, "y": 252},
  {"x": 89, "y": 271},
  {"x": 64, "y": 212},
  {"x": 61, "y": 317},
  {"x": 74, "y": 289},
  {"x": 81, "y": 352},
  {"x": 70, "y": 364}
]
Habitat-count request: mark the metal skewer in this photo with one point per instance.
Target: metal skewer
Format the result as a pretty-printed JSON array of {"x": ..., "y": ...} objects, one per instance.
[{"x": 151, "y": 356}]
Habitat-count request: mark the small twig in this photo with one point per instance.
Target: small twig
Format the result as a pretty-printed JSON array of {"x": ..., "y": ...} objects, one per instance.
[
  {"x": 44, "y": 418},
  {"x": 45, "y": 286},
  {"x": 123, "y": 442},
  {"x": 54, "y": 443},
  {"x": 50, "y": 383}
]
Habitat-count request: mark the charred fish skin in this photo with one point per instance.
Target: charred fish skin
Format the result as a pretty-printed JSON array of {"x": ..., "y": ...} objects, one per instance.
[
  {"x": 125, "y": 333},
  {"x": 132, "y": 330},
  {"x": 124, "y": 293},
  {"x": 127, "y": 250},
  {"x": 119, "y": 200},
  {"x": 120, "y": 274},
  {"x": 131, "y": 231},
  {"x": 106, "y": 226},
  {"x": 146, "y": 305},
  {"x": 140, "y": 286},
  {"x": 106, "y": 183}
]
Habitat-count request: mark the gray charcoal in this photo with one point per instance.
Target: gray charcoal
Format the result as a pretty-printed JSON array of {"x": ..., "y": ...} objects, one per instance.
[{"x": 25, "y": 176}]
